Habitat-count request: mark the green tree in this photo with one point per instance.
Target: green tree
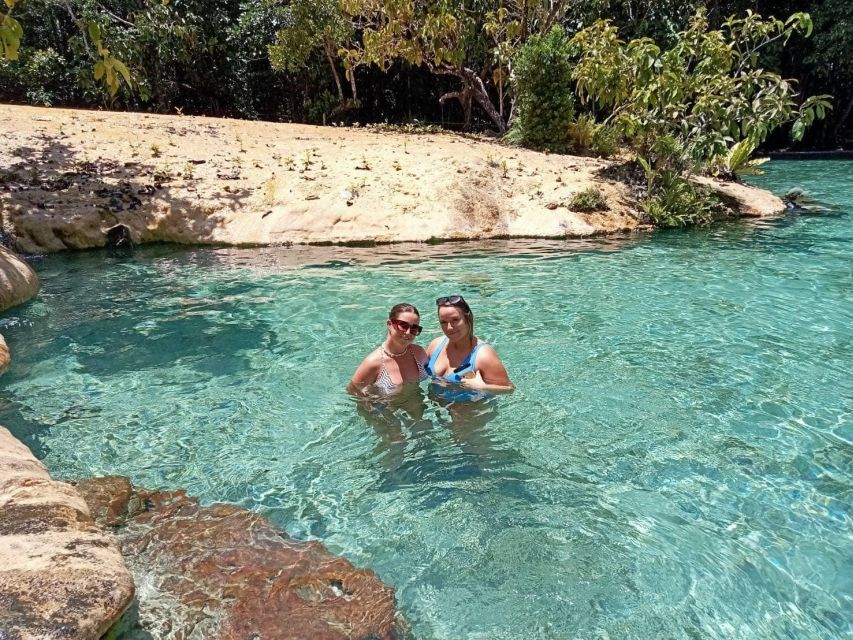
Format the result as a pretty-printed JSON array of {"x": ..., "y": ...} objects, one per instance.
[
  {"x": 308, "y": 26},
  {"x": 451, "y": 38},
  {"x": 106, "y": 67},
  {"x": 687, "y": 106},
  {"x": 706, "y": 91},
  {"x": 543, "y": 77}
]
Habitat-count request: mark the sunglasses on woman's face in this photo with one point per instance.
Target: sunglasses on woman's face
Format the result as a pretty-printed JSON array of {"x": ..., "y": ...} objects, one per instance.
[
  {"x": 450, "y": 300},
  {"x": 404, "y": 326}
]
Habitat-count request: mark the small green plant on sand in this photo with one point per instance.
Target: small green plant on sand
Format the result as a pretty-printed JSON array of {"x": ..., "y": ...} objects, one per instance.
[
  {"x": 289, "y": 164},
  {"x": 580, "y": 133},
  {"x": 589, "y": 199},
  {"x": 504, "y": 168},
  {"x": 155, "y": 150},
  {"x": 356, "y": 187}
]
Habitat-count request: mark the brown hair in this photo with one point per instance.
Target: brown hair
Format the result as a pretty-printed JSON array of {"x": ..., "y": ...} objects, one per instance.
[{"x": 403, "y": 307}]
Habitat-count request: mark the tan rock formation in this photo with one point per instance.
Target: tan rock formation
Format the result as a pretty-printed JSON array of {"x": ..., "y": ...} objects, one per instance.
[
  {"x": 749, "y": 201},
  {"x": 5, "y": 355},
  {"x": 222, "y": 572},
  {"x": 61, "y": 576},
  {"x": 203, "y": 180},
  {"x": 18, "y": 282}
]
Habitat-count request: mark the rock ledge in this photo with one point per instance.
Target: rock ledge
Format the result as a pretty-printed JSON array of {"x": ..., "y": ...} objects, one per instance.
[{"x": 61, "y": 576}]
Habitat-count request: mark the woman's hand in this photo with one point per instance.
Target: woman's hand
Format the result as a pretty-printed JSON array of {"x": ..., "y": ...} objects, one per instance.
[{"x": 476, "y": 382}]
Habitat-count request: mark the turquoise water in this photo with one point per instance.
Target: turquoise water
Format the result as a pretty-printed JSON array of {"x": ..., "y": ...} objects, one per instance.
[{"x": 676, "y": 461}]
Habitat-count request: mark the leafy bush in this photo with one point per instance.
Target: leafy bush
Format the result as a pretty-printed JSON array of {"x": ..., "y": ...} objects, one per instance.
[
  {"x": 581, "y": 133},
  {"x": 684, "y": 108},
  {"x": 39, "y": 76},
  {"x": 586, "y": 137},
  {"x": 543, "y": 77},
  {"x": 605, "y": 141},
  {"x": 737, "y": 162},
  {"x": 707, "y": 91},
  {"x": 679, "y": 203},
  {"x": 589, "y": 199}
]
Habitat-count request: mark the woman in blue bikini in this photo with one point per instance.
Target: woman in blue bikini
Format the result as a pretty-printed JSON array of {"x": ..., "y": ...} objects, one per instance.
[
  {"x": 397, "y": 361},
  {"x": 460, "y": 357}
]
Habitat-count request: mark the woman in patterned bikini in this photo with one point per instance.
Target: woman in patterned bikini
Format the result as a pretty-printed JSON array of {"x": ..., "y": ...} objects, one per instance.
[{"x": 397, "y": 361}]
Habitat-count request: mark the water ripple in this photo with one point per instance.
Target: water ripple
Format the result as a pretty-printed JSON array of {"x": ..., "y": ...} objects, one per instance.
[{"x": 676, "y": 461}]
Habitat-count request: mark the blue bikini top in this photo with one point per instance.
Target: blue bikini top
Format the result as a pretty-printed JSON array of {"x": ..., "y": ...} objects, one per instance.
[{"x": 468, "y": 365}]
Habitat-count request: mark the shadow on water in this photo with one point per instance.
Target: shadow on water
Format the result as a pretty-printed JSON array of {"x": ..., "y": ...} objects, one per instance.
[{"x": 434, "y": 443}]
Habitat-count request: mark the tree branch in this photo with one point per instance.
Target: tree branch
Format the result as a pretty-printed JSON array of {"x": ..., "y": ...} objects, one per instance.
[{"x": 115, "y": 17}]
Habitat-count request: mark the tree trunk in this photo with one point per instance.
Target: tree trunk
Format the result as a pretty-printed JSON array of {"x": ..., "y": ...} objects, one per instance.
[
  {"x": 473, "y": 85},
  {"x": 464, "y": 98},
  {"x": 327, "y": 48},
  {"x": 478, "y": 89},
  {"x": 352, "y": 84}
]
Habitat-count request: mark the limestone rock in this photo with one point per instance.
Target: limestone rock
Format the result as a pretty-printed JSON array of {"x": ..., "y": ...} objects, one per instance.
[
  {"x": 222, "y": 572},
  {"x": 18, "y": 282},
  {"x": 61, "y": 576},
  {"x": 751, "y": 202},
  {"x": 5, "y": 354}
]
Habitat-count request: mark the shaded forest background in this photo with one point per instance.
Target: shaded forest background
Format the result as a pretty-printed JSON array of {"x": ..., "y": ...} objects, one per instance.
[{"x": 212, "y": 57}]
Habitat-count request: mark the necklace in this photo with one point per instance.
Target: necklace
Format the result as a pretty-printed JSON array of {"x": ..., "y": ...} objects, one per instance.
[{"x": 394, "y": 355}]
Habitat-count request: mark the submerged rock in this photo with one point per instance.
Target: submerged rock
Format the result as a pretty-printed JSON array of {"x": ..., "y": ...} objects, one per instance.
[
  {"x": 61, "y": 576},
  {"x": 224, "y": 572}
]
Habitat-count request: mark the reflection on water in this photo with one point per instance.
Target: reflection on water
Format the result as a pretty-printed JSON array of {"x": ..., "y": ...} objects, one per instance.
[{"x": 407, "y": 448}]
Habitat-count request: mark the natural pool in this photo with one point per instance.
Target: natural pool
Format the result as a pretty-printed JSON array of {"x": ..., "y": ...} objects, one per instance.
[{"x": 676, "y": 463}]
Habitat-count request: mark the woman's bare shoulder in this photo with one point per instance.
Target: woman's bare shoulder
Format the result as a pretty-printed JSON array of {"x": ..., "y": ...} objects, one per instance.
[
  {"x": 432, "y": 345},
  {"x": 419, "y": 351}
]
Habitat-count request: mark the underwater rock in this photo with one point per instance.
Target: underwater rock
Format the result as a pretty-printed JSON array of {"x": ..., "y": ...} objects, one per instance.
[
  {"x": 18, "y": 282},
  {"x": 61, "y": 576},
  {"x": 221, "y": 571}
]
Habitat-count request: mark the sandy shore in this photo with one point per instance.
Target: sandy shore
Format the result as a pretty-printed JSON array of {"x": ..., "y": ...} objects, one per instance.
[{"x": 68, "y": 175}]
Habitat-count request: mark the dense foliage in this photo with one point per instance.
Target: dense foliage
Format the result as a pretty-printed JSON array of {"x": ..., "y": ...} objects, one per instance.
[
  {"x": 450, "y": 62},
  {"x": 704, "y": 103},
  {"x": 542, "y": 72}
]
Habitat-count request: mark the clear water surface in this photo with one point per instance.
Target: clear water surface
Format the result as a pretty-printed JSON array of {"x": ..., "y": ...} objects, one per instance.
[{"x": 676, "y": 462}]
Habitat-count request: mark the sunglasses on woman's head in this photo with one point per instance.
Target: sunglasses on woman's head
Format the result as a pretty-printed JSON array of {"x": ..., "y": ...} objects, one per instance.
[
  {"x": 404, "y": 326},
  {"x": 450, "y": 300}
]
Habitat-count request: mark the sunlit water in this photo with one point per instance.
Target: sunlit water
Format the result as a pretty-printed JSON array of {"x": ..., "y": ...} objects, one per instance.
[{"x": 676, "y": 462}]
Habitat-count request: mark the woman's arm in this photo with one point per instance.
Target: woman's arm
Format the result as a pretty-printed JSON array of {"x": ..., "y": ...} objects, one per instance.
[
  {"x": 491, "y": 373},
  {"x": 366, "y": 374}
]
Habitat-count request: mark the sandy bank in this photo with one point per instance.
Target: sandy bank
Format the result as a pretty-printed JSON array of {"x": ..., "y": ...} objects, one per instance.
[{"x": 66, "y": 176}]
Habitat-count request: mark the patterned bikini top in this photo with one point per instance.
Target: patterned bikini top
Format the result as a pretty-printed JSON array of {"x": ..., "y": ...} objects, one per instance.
[{"x": 385, "y": 385}]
